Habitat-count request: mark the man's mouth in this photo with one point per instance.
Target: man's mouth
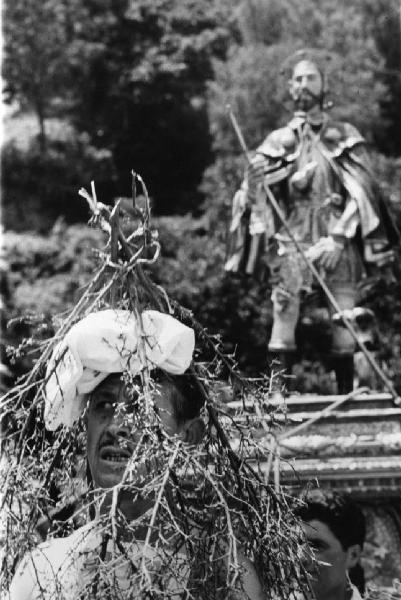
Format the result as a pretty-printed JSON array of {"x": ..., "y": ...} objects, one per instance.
[
  {"x": 114, "y": 454},
  {"x": 306, "y": 95}
]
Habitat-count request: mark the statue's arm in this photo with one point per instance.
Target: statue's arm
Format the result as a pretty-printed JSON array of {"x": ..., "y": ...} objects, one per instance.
[
  {"x": 252, "y": 588},
  {"x": 363, "y": 206},
  {"x": 271, "y": 164},
  {"x": 347, "y": 224}
]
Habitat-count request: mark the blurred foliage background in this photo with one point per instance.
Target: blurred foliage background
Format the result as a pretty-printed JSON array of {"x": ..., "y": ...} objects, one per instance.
[{"x": 96, "y": 89}]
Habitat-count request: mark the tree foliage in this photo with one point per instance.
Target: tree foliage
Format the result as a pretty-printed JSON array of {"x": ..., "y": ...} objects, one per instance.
[
  {"x": 131, "y": 75},
  {"x": 250, "y": 77},
  {"x": 41, "y": 187},
  {"x": 38, "y": 46}
]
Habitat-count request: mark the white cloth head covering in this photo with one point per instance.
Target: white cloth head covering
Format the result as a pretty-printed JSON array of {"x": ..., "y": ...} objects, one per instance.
[{"x": 107, "y": 342}]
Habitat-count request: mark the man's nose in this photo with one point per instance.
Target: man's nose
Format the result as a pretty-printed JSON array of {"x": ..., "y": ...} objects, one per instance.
[{"x": 118, "y": 429}]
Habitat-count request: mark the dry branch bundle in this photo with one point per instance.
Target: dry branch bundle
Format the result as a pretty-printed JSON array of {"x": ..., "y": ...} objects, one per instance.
[{"x": 211, "y": 509}]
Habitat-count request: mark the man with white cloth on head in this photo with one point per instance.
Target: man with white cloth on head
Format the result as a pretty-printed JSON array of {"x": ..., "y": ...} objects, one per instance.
[{"x": 85, "y": 376}]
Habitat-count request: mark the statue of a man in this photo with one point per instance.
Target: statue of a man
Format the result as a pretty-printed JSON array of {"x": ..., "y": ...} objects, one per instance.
[{"x": 319, "y": 172}]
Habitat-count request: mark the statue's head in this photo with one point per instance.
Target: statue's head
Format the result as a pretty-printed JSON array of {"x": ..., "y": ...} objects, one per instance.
[
  {"x": 306, "y": 85},
  {"x": 306, "y": 74}
]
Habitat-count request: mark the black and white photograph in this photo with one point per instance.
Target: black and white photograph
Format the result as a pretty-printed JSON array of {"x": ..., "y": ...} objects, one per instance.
[{"x": 200, "y": 291}]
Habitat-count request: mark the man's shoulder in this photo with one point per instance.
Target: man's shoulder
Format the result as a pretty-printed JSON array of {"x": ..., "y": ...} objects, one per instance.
[
  {"x": 42, "y": 564},
  {"x": 338, "y": 133},
  {"x": 58, "y": 547},
  {"x": 278, "y": 143}
]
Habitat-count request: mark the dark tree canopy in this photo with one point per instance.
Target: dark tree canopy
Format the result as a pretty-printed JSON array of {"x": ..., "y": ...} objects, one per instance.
[
  {"x": 144, "y": 93},
  {"x": 131, "y": 76}
]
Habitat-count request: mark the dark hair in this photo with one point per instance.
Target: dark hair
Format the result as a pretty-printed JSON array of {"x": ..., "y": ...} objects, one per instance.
[
  {"x": 189, "y": 398},
  {"x": 339, "y": 512},
  {"x": 357, "y": 577}
]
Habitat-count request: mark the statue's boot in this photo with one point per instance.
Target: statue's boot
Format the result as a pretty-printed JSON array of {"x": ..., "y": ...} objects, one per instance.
[{"x": 344, "y": 370}]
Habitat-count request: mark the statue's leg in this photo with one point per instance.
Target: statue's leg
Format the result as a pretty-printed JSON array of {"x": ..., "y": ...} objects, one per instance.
[
  {"x": 282, "y": 340},
  {"x": 343, "y": 344},
  {"x": 344, "y": 370}
]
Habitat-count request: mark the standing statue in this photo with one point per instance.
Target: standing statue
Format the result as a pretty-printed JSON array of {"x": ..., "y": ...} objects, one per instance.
[{"x": 319, "y": 171}]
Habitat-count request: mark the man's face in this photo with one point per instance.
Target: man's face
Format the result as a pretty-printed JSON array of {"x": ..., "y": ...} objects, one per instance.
[
  {"x": 329, "y": 578},
  {"x": 306, "y": 85},
  {"x": 111, "y": 435}
]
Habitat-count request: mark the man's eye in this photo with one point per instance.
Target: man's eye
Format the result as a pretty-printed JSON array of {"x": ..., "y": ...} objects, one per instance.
[
  {"x": 316, "y": 547},
  {"x": 105, "y": 406}
]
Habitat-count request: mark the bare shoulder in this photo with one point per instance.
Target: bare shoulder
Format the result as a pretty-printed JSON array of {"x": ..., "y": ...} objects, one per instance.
[
  {"x": 37, "y": 572},
  {"x": 252, "y": 585}
]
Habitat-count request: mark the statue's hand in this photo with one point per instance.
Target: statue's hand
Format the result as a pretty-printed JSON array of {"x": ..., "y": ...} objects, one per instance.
[
  {"x": 377, "y": 255},
  {"x": 327, "y": 252},
  {"x": 256, "y": 171},
  {"x": 301, "y": 178}
]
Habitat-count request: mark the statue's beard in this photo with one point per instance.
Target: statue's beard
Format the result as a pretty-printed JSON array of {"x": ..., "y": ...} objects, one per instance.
[{"x": 305, "y": 100}]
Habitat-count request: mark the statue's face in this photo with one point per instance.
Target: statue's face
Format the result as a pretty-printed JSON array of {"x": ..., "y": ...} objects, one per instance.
[{"x": 306, "y": 85}]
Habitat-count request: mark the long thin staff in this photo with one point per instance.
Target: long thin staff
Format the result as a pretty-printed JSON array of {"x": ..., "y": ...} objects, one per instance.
[{"x": 388, "y": 384}]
